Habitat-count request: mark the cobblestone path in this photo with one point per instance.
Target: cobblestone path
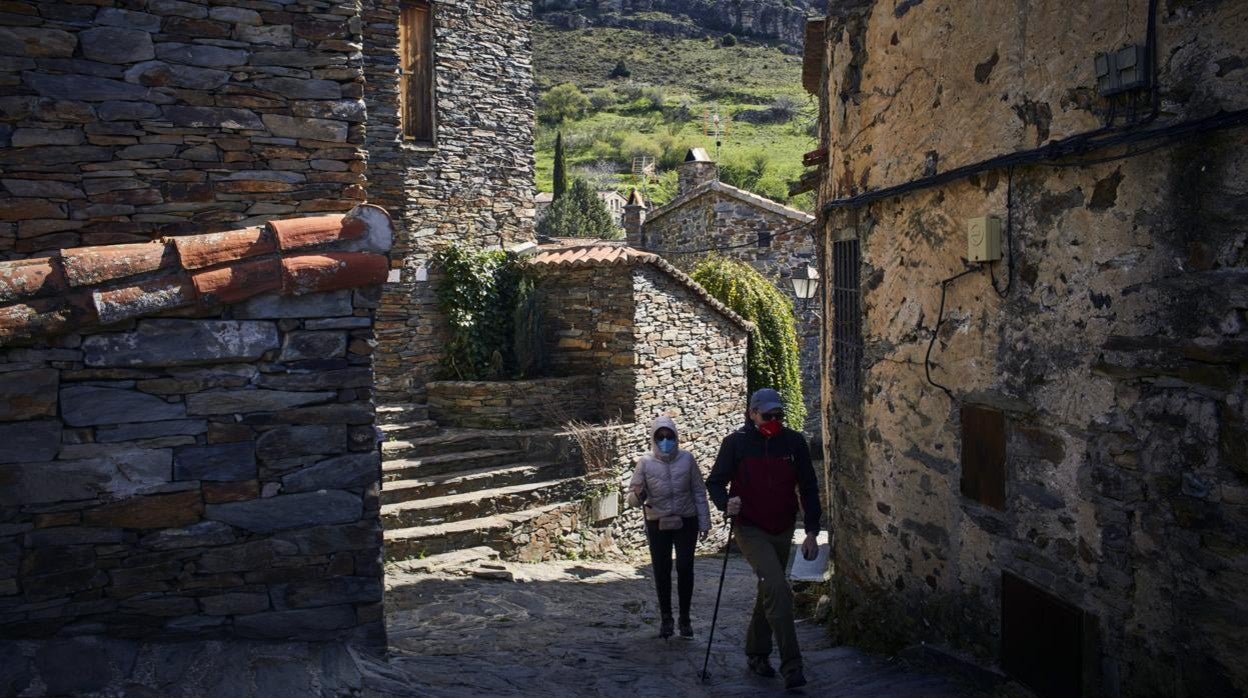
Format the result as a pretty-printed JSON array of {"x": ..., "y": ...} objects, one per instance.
[{"x": 591, "y": 629}]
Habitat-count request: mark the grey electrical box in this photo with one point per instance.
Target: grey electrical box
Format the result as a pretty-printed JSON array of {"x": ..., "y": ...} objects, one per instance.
[
  {"x": 983, "y": 239},
  {"x": 1121, "y": 71}
]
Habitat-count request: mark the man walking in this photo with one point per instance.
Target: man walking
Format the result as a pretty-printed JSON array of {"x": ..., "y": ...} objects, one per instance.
[{"x": 767, "y": 465}]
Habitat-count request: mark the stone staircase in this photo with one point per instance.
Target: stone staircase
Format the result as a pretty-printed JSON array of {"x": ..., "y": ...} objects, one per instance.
[{"x": 446, "y": 489}]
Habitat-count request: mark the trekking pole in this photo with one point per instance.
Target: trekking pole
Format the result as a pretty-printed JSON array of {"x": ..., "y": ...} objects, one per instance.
[{"x": 718, "y": 594}]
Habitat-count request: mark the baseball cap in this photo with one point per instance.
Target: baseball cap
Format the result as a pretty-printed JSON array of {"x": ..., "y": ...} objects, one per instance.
[{"x": 765, "y": 400}]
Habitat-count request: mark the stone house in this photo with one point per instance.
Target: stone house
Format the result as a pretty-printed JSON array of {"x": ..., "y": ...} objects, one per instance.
[
  {"x": 1065, "y": 492},
  {"x": 189, "y": 442},
  {"x": 611, "y": 199},
  {"x": 708, "y": 214}
]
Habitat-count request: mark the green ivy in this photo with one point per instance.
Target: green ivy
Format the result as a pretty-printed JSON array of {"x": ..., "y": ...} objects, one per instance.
[
  {"x": 773, "y": 350},
  {"x": 479, "y": 295}
]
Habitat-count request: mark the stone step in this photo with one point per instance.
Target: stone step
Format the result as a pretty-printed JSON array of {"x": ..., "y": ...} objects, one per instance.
[
  {"x": 393, "y": 469},
  {"x": 472, "y": 505},
  {"x": 476, "y": 480},
  {"x": 448, "y": 561},
  {"x": 410, "y": 430},
  {"x": 545, "y": 444},
  {"x": 400, "y": 413},
  {"x": 492, "y": 531}
]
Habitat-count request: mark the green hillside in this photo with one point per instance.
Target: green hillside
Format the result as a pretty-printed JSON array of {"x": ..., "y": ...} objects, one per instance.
[{"x": 663, "y": 107}]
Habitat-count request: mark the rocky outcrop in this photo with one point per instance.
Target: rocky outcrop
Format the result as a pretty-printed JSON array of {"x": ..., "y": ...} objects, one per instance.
[{"x": 764, "y": 19}]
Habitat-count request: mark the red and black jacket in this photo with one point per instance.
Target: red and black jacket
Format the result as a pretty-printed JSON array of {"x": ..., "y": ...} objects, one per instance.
[{"x": 767, "y": 474}]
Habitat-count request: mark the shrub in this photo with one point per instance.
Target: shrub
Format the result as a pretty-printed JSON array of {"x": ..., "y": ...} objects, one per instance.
[
  {"x": 561, "y": 103},
  {"x": 728, "y": 40},
  {"x": 601, "y": 99},
  {"x": 579, "y": 214},
  {"x": 479, "y": 296},
  {"x": 620, "y": 70},
  {"x": 772, "y": 356}
]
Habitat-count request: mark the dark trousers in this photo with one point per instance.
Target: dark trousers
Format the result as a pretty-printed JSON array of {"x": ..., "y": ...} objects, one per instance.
[{"x": 661, "y": 543}]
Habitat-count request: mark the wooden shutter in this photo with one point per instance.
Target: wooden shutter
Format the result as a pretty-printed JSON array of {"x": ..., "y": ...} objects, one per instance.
[
  {"x": 983, "y": 456},
  {"x": 416, "y": 71}
]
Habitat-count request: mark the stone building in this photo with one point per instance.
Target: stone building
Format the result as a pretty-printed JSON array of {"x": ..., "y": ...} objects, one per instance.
[
  {"x": 189, "y": 442},
  {"x": 710, "y": 215},
  {"x": 1065, "y": 494}
]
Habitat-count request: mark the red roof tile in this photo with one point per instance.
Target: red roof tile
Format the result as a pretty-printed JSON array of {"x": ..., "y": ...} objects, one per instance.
[
  {"x": 199, "y": 251},
  {"x": 87, "y": 266},
  {"x": 315, "y": 273},
  {"x": 31, "y": 278},
  {"x": 239, "y": 281},
  {"x": 121, "y": 282}
]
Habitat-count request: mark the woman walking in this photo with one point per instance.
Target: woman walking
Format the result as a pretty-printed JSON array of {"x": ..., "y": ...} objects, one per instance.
[{"x": 669, "y": 485}]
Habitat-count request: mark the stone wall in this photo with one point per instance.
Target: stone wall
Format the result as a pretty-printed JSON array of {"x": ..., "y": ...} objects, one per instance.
[
  {"x": 518, "y": 404},
  {"x": 475, "y": 184},
  {"x": 123, "y": 121},
  {"x": 589, "y": 317},
  {"x": 188, "y": 456},
  {"x": 717, "y": 216},
  {"x": 1116, "y": 358}
]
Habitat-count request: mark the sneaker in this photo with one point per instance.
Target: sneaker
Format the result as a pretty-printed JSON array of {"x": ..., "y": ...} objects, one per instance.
[
  {"x": 762, "y": 666},
  {"x": 795, "y": 680},
  {"x": 666, "y": 628},
  {"x": 686, "y": 627}
]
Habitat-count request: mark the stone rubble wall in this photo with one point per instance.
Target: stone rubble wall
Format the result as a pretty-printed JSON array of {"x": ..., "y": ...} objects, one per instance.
[
  {"x": 1117, "y": 357},
  {"x": 120, "y": 122},
  {"x": 726, "y": 221},
  {"x": 475, "y": 185},
  {"x": 519, "y": 404},
  {"x": 205, "y": 474}
]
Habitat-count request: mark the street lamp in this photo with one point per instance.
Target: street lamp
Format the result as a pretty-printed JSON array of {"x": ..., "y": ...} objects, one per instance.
[{"x": 805, "y": 283}]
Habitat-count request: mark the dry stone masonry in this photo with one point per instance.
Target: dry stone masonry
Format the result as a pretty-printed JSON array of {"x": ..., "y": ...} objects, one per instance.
[
  {"x": 1088, "y": 465},
  {"x": 123, "y": 121},
  {"x": 190, "y": 450}
]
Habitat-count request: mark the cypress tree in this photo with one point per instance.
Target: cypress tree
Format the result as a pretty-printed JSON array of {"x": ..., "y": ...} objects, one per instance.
[
  {"x": 580, "y": 214},
  {"x": 561, "y": 171}
]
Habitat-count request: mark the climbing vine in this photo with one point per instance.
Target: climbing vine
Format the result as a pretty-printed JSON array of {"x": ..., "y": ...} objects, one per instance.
[
  {"x": 484, "y": 295},
  {"x": 773, "y": 349}
]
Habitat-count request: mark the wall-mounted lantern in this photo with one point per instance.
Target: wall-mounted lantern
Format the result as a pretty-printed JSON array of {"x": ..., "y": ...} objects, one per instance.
[{"x": 805, "y": 283}]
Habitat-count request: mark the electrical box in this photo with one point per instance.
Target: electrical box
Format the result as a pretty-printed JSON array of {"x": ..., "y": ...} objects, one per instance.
[
  {"x": 1121, "y": 71},
  {"x": 983, "y": 239}
]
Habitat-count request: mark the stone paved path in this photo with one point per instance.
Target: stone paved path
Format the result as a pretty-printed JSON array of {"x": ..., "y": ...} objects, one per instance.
[{"x": 590, "y": 629}]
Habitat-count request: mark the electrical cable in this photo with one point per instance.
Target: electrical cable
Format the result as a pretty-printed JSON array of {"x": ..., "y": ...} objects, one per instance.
[
  {"x": 940, "y": 316},
  {"x": 1070, "y": 147}
]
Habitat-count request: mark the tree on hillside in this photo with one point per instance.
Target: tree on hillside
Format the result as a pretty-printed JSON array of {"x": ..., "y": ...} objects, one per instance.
[
  {"x": 561, "y": 168},
  {"x": 579, "y": 214},
  {"x": 621, "y": 70},
  {"x": 772, "y": 356},
  {"x": 561, "y": 103}
]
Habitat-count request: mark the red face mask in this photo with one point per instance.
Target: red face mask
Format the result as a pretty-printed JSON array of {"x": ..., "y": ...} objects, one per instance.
[{"x": 771, "y": 428}]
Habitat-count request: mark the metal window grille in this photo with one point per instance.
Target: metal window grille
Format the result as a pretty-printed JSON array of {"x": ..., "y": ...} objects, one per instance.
[{"x": 847, "y": 320}]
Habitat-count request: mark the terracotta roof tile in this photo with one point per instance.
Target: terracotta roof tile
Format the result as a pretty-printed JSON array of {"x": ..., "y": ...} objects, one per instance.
[
  {"x": 199, "y": 251},
  {"x": 239, "y": 281},
  {"x": 295, "y": 233},
  {"x": 143, "y": 298},
  {"x": 120, "y": 282},
  {"x": 330, "y": 271},
  {"x": 564, "y": 254},
  {"x": 30, "y": 278},
  {"x": 88, "y": 266}
]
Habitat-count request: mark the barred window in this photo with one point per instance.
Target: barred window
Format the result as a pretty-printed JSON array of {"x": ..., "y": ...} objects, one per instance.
[
  {"x": 416, "y": 71},
  {"x": 847, "y": 319}
]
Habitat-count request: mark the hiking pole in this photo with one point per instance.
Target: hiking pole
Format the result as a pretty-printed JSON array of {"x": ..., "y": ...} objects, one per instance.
[{"x": 715, "y": 616}]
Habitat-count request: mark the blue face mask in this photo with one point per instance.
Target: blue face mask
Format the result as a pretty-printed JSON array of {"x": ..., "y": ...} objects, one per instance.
[{"x": 666, "y": 446}]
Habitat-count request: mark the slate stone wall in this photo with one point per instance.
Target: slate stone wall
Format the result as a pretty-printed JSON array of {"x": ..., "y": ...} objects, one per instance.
[
  {"x": 204, "y": 474},
  {"x": 520, "y": 404},
  {"x": 474, "y": 185},
  {"x": 1116, "y": 357},
  {"x": 712, "y": 218},
  {"x": 124, "y": 121}
]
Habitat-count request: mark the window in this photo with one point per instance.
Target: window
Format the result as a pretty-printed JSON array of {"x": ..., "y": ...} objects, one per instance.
[
  {"x": 764, "y": 238},
  {"x": 416, "y": 71},
  {"x": 983, "y": 456},
  {"x": 847, "y": 320},
  {"x": 1043, "y": 638}
]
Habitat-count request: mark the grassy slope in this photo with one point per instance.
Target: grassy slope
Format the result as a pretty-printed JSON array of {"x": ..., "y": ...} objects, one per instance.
[{"x": 691, "y": 75}]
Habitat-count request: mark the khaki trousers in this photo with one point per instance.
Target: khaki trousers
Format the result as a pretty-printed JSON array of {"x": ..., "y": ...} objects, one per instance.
[{"x": 768, "y": 554}]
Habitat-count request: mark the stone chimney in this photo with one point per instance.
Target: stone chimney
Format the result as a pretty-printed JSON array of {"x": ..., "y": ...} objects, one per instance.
[
  {"x": 635, "y": 219},
  {"x": 697, "y": 169}
]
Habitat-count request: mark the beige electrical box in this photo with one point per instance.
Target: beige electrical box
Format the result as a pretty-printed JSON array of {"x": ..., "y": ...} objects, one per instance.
[{"x": 983, "y": 239}]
